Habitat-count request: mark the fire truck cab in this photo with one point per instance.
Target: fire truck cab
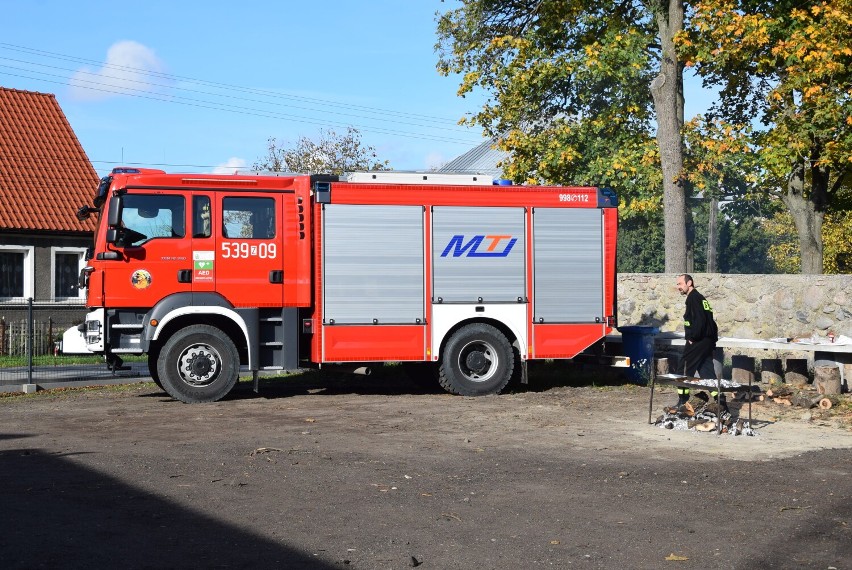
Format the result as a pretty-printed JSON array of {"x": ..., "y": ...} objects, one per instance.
[{"x": 450, "y": 273}]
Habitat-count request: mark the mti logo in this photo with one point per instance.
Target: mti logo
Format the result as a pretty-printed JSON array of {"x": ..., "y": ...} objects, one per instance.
[{"x": 458, "y": 247}]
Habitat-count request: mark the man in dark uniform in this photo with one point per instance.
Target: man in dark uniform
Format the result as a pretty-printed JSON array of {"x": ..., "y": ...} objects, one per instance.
[{"x": 701, "y": 334}]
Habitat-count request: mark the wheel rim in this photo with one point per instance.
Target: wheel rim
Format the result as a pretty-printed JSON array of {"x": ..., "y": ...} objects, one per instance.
[
  {"x": 478, "y": 361},
  {"x": 199, "y": 365}
]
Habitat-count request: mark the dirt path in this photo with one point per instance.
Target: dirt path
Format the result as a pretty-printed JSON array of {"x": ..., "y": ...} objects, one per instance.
[{"x": 319, "y": 474}]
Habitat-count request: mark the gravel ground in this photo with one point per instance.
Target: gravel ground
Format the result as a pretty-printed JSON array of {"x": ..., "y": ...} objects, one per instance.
[{"x": 323, "y": 472}]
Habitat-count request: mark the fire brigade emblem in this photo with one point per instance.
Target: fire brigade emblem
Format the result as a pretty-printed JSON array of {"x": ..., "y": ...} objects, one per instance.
[{"x": 140, "y": 279}]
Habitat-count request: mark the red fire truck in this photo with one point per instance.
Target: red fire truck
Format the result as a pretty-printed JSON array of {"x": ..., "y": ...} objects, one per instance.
[{"x": 470, "y": 279}]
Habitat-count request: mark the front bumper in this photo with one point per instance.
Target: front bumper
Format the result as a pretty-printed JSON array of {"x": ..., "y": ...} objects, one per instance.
[{"x": 95, "y": 330}]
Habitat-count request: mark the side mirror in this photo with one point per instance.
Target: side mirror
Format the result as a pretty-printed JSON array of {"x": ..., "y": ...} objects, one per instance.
[
  {"x": 84, "y": 212},
  {"x": 114, "y": 214},
  {"x": 124, "y": 237}
]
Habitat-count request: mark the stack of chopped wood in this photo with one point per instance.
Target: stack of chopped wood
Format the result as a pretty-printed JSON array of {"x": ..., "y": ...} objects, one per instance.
[
  {"x": 699, "y": 413},
  {"x": 805, "y": 397}
]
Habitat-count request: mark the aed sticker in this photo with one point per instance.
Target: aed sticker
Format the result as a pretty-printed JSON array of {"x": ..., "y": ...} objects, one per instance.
[
  {"x": 202, "y": 263},
  {"x": 140, "y": 279}
]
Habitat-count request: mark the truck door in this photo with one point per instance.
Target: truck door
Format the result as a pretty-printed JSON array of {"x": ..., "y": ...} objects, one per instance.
[
  {"x": 203, "y": 243},
  {"x": 249, "y": 264},
  {"x": 155, "y": 253}
]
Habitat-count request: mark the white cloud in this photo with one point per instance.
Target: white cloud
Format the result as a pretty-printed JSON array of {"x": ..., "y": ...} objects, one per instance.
[
  {"x": 232, "y": 166},
  {"x": 127, "y": 71}
]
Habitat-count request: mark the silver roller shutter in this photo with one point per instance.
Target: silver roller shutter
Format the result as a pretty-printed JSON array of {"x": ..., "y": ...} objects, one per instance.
[
  {"x": 373, "y": 264},
  {"x": 568, "y": 272},
  {"x": 478, "y": 252}
]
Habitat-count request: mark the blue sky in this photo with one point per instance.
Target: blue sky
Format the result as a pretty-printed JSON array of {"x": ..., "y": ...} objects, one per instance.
[{"x": 192, "y": 86}]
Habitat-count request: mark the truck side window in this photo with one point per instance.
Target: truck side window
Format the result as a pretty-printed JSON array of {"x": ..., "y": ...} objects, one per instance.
[
  {"x": 200, "y": 216},
  {"x": 154, "y": 216},
  {"x": 248, "y": 218}
]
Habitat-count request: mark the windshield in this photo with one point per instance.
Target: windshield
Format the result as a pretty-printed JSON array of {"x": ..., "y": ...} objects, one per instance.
[{"x": 153, "y": 216}]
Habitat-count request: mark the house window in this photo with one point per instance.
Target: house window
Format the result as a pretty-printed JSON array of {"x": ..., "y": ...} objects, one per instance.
[
  {"x": 67, "y": 262},
  {"x": 16, "y": 272}
]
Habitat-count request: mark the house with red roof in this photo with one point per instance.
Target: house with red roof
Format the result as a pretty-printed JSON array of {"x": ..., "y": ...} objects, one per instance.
[{"x": 45, "y": 176}]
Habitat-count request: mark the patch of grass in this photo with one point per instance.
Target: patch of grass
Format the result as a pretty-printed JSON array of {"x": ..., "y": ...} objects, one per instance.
[
  {"x": 59, "y": 392},
  {"x": 63, "y": 360}
]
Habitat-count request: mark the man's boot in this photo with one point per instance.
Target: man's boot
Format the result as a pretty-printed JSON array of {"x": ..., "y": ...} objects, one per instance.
[{"x": 681, "y": 400}]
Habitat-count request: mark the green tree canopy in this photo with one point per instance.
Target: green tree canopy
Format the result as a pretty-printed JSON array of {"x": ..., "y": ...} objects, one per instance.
[
  {"x": 576, "y": 91},
  {"x": 333, "y": 153},
  {"x": 789, "y": 66}
]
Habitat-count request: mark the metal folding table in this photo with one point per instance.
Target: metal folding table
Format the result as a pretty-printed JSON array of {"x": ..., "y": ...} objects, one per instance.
[{"x": 718, "y": 385}]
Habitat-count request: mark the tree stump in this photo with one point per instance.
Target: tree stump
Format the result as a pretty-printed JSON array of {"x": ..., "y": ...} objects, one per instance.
[
  {"x": 827, "y": 380},
  {"x": 770, "y": 371},
  {"x": 796, "y": 371},
  {"x": 742, "y": 369}
]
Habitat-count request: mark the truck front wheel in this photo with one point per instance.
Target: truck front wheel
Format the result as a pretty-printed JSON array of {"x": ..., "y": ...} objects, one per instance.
[
  {"x": 477, "y": 360},
  {"x": 198, "y": 364},
  {"x": 153, "y": 357}
]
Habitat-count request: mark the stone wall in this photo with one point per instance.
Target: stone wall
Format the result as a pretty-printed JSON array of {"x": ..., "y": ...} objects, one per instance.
[{"x": 745, "y": 306}]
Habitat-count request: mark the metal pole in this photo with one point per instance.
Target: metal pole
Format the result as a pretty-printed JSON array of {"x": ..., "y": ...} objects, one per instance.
[
  {"x": 653, "y": 384},
  {"x": 50, "y": 338},
  {"x": 29, "y": 340},
  {"x": 718, "y": 406}
]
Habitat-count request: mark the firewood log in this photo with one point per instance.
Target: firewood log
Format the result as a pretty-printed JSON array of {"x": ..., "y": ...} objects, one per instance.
[
  {"x": 696, "y": 403},
  {"x": 804, "y": 400},
  {"x": 779, "y": 391},
  {"x": 827, "y": 402},
  {"x": 783, "y": 401}
]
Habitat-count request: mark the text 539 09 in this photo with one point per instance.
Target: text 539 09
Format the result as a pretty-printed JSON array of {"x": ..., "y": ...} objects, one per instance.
[{"x": 242, "y": 249}]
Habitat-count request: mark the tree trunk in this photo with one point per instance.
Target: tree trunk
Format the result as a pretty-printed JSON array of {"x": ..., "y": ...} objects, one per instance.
[
  {"x": 712, "y": 236},
  {"x": 808, "y": 220},
  {"x": 667, "y": 91}
]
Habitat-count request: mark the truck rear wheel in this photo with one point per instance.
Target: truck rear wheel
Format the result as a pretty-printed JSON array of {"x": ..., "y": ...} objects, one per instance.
[
  {"x": 198, "y": 364},
  {"x": 477, "y": 360}
]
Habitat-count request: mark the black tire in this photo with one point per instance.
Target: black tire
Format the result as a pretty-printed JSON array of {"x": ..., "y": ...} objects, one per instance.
[
  {"x": 153, "y": 356},
  {"x": 198, "y": 364},
  {"x": 478, "y": 360}
]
